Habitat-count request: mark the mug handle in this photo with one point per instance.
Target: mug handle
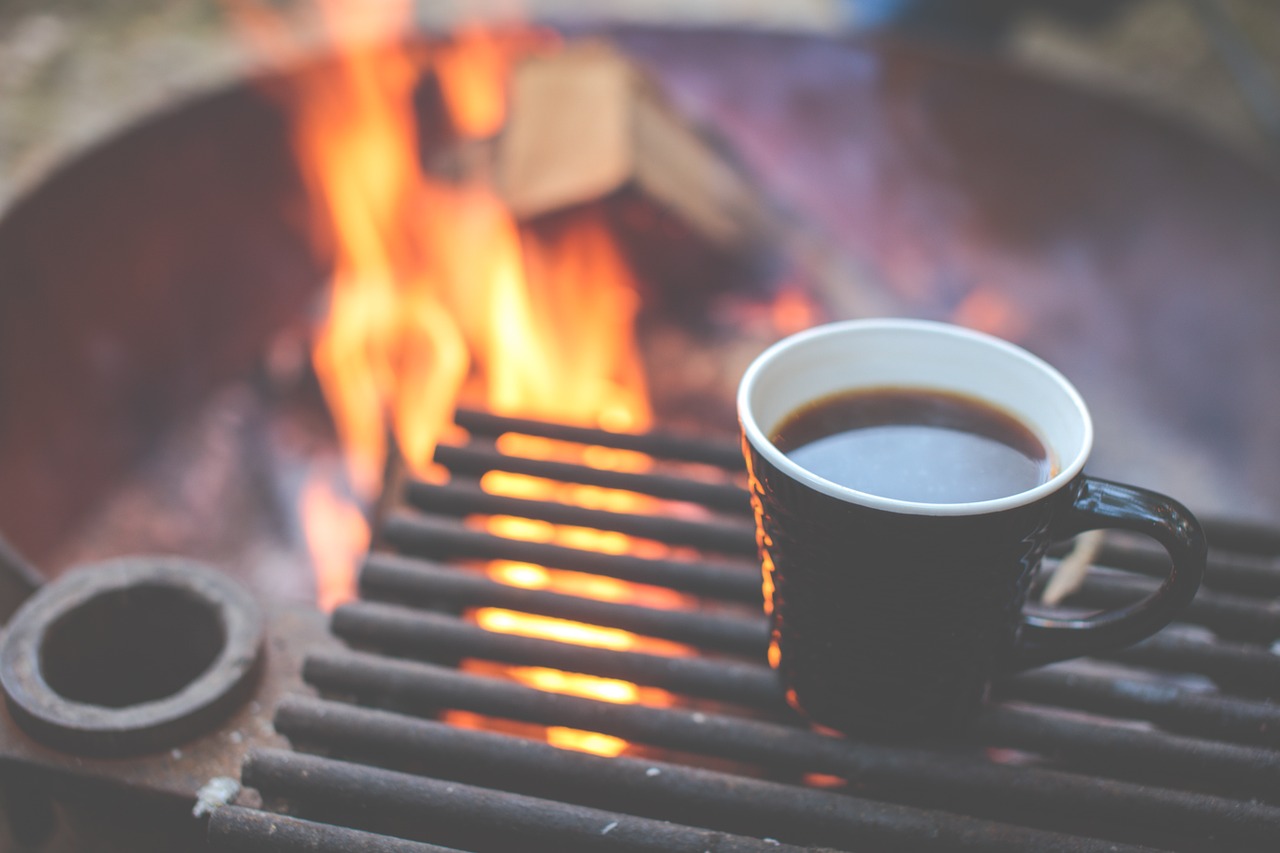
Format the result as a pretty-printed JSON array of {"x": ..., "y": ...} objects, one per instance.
[{"x": 1098, "y": 504}]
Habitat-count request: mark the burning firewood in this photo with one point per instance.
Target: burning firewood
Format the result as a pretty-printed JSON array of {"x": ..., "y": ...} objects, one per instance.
[{"x": 586, "y": 127}]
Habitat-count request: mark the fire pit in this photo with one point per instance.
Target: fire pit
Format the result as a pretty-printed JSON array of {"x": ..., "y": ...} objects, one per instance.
[
  {"x": 488, "y": 692},
  {"x": 558, "y": 636}
]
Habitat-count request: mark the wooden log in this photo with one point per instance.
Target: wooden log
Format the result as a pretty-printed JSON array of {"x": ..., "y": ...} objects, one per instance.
[{"x": 586, "y": 127}]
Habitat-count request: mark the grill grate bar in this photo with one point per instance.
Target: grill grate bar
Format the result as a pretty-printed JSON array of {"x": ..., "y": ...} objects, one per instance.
[
  {"x": 438, "y": 538},
  {"x": 397, "y": 579},
  {"x": 1125, "y": 752},
  {"x": 252, "y": 831},
  {"x": 475, "y": 460},
  {"x": 719, "y": 453},
  {"x": 1169, "y": 706},
  {"x": 465, "y": 497},
  {"x": 663, "y": 790},
  {"x": 1242, "y": 574},
  {"x": 1045, "y": 799},
  {"x": 1226, "y": 614},
  {"x": 1247, "y": 668},
  {"x": 1249, "y": 537},
  {"x": 381, "y": 796}
]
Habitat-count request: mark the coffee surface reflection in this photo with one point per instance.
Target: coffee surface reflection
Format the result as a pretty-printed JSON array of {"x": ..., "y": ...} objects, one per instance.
[{"x": 915, "y": 444}]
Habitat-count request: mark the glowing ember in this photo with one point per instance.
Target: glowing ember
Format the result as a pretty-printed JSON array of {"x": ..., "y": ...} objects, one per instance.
[
  {"x": 595, "y": 742},
  {"x": 986, "y": 310},
  {"x": 793, "y": 311},
  {"x": 565, "y": 631}
]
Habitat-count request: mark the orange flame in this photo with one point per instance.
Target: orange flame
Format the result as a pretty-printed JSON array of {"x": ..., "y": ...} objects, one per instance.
[
  {"x": 437, "y": 293},
  {"x": 473, "y": 70},
  {"x": 338, "y": 535}
]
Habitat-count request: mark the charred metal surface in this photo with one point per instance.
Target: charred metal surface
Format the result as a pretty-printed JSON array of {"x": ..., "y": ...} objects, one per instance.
[
  {"x": 714, "y": 798},
  {"x": 385, "y": 796},
  {"x": 1130, "y": 752},
  {"x": 253, "y": 831},
  {"x": 1237, "y": 666},
  {"x": 162, "y": 301},
  {"x": 130, "y": 655},
  {"x": 142, "y": 803},
  {"x": 1138, "y": 751},
  {"x": 1140, "y": 697}
]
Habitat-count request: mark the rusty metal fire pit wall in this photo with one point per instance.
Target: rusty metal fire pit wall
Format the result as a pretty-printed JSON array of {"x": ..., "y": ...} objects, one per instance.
[{"x": 130, "y": 655}]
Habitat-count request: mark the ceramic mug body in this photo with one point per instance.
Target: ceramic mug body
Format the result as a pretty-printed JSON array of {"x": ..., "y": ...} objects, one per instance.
[{"x": 893, "y": 616}]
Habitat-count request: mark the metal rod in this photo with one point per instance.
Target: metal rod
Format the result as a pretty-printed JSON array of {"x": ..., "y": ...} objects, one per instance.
[
  {"x": 1226, "y": 571},
  {"x": 388, "y": 577},
  {"x": 1232, "y": 616},
  {"x": 463, "y": 497},
  {"x": 1169, "y": 706},
  {"x": 662, "y": 790},
  {"x": 1245, "y": 536},
  {"x": 530, "y": 822},
  {"x": 1097, "y": 746},
  {"x": 239, "y": 830},
  {"x": 720, "y": 453},
  {"x": 440, "y": 538},
  {"x": 475, "y": 460},
  {"x": 1237, "y": 667},
  {"x": 1047, "y": 799},
  {"x": 428, "y": 636}
]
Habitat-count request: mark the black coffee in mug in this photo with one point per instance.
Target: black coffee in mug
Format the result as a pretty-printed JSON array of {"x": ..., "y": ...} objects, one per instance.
[
  {"x": 915, "y": 444},
  {"x": 907, "y": 478}
]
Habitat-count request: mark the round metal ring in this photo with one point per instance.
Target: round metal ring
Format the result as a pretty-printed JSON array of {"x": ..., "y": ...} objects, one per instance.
[{"x": 130, "y": 655}]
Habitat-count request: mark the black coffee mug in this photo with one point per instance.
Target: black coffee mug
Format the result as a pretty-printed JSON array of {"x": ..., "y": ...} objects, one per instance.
[{"x": 893, "y": 616}]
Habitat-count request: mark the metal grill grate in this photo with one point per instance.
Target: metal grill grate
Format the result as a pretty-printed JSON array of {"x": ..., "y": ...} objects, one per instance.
[{"x": 1173, "y": 744}]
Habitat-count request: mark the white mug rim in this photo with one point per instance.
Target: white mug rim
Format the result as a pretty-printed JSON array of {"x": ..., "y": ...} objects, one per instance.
[{"x": 1068, "y": 469}]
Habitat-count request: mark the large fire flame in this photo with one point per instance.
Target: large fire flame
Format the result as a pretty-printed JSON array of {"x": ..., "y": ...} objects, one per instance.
[{"x": 438, "y": 296}]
